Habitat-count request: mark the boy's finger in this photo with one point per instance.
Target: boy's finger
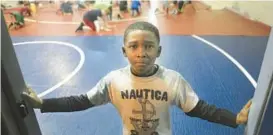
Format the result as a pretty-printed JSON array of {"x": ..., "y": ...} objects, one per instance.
[
  {"x": 30, "y": 90},
  {"x": 248, "y": 104},
  {"x": 29, "y": 95},
  {"x": 26, "y": 96},
  {"x": 245, "y": 111},
  {"x": 24, "y": 93}
]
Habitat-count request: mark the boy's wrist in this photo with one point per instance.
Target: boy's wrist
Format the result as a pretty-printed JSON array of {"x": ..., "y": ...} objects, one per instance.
[{"x": 239, "y": 120}]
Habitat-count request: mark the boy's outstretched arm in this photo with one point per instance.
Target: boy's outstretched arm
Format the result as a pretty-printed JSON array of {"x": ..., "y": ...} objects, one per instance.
[
  {"x": 98, "y": 95},
  {"x": 62, "y": 104},
  {"x": 66, "y": 104},
  {"x": 218, "y": 115},
  {"x": 189, "y": 102}
]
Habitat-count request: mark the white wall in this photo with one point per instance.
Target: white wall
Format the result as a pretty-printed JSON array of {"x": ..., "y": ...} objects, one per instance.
[
  {"x": 262, "y": 89},
  {"x": 256, "y": 10},
  {"x": 12, "y": 3}
]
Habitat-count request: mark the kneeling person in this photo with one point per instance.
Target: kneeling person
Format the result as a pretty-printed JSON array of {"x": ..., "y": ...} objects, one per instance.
[
  {"x": 17, "y": 20},
  {"x": 95, "y": 19}
]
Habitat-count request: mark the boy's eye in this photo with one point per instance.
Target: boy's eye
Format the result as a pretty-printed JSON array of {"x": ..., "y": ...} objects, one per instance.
[
  {"x": 133, "y": 46},
  {"x": 149, "y": 46}
]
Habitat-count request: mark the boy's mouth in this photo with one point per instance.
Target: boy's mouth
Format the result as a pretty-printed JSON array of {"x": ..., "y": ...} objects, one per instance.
[{"x": 141, "y": 63}]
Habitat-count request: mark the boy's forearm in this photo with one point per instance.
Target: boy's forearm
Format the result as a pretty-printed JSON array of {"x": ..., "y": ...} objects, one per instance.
[
  {"x": 213, "y": 114},
  {"x": 66, "y": 104}
]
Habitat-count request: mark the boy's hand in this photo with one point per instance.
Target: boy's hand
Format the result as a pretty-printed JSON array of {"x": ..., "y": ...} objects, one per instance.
[
  {"x": 32, "y": 98},
  {"x": 242, "y": 116}
]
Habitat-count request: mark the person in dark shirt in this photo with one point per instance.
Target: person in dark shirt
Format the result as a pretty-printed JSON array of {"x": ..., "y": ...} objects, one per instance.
[
  {"x": 96, "y": 20},
  {"x": 65, "y": 8}
]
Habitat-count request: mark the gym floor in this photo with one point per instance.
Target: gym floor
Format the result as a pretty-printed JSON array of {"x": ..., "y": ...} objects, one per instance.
[{"x": 218, "y": 52}]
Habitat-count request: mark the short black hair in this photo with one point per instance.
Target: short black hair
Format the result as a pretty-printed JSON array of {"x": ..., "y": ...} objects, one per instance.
[{"x": 141, "y": 25}]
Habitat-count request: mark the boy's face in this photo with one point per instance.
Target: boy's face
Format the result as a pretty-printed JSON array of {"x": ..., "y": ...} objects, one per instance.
[{"x": 141, "y": 48}]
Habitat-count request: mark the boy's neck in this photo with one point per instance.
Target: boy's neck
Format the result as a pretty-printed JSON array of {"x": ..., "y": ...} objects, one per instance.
[{"x": 153, "y": 71}]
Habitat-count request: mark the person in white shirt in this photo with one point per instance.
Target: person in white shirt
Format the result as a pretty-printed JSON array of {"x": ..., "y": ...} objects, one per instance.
[{"x": 143, "y": 91}]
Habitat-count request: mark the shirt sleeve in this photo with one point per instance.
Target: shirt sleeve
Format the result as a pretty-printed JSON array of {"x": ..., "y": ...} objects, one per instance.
[
  {"x": 184, "y": 96},
  {"x": 99, "y": 94},
  {"x": 211, "y": 113},
  {"x": 192, "y": 105}
]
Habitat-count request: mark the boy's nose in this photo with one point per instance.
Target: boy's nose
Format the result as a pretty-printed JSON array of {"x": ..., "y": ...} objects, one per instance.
[{"x": 141, "y": 52}]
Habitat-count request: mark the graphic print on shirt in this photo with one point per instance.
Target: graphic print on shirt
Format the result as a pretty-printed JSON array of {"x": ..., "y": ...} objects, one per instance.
[
  {"x": 147, "y": 125},
  {"x": 145, "y": 94}
]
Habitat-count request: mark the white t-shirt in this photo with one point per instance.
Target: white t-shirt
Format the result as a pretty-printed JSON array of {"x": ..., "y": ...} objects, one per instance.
[{"x": 143, "y": 102}]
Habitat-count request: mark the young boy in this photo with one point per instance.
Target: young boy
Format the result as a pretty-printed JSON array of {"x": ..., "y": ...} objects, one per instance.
[
  {"x": 95, "y": 19},
  {"x": 17, "y": 20},
  {"x": 142, "y": 83}
]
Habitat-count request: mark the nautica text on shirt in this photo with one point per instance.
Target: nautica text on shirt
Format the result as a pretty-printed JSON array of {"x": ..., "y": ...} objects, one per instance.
[{"x": 145, "y": 94}]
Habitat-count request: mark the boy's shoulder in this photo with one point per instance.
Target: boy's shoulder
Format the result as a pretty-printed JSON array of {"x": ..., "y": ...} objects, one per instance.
[
  {"x": 116, "y": 72},
  {"x": 123, "y": 70},
  {"x": 169, "y": 73},
  {"x": 168, "y": 70}
]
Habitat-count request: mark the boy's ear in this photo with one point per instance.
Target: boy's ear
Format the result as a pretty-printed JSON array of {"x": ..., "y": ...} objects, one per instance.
[
  {"x": 124, "y": 52},
  {"x": 159, "y": 51}
]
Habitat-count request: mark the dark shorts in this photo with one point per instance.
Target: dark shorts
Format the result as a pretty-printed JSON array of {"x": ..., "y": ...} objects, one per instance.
[
  {"x": 123, "y": 5},
  {"x": 90, "y": 24},
  {"x": 135, "y": 9},
  {"x": 180, "y": 4}
]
